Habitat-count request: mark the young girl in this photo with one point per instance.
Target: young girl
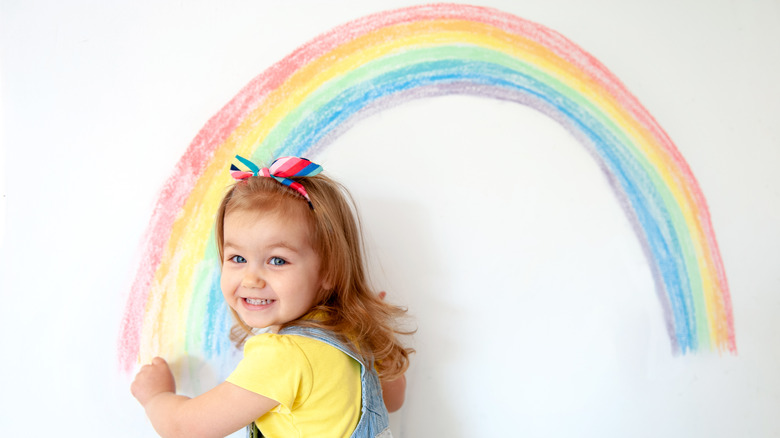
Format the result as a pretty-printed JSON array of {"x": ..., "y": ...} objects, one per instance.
[{"x": 330, "y": 364}]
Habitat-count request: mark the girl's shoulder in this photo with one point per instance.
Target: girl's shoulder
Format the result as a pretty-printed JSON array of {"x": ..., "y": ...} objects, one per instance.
[
  {"x": 286, "y": 344},
  {"x": 318, "y": 346},
  {"x": 271, "y": 347}
]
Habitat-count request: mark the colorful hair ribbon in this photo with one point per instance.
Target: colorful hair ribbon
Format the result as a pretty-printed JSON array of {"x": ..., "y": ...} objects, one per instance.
[{"x": 282, "y": 169}]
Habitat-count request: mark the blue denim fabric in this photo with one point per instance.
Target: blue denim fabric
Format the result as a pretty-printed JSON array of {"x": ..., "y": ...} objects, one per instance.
[{"x": 374, "y": 420}]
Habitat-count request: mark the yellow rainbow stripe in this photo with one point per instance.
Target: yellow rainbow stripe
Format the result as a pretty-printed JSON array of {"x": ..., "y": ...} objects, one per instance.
[{"x": 302, "y": 103}]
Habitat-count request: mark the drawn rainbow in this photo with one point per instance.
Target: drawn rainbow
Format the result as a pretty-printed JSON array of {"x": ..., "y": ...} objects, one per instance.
[{"x": 302, "y": 103}]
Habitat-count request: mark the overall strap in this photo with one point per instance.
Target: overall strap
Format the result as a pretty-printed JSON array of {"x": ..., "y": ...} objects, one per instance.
[{"x": 374, "y": 421}]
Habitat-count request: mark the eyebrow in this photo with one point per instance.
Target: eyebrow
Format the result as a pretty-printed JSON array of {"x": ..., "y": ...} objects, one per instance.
[{"x": 276, "y": 245}]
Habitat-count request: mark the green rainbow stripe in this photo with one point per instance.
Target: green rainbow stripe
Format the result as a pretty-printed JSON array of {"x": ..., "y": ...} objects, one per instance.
[{"x": 304, "y": 102}]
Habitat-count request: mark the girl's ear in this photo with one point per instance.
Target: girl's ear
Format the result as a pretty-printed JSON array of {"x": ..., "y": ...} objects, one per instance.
[
  {"x": 327, "y": 279},
  {"x": 327, "y": 285}
]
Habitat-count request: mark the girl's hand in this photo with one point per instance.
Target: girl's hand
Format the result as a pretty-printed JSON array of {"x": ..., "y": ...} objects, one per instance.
[{"x": 152, "y": 380}]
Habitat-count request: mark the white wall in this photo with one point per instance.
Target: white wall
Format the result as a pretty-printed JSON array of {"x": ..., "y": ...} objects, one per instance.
[{"x": 542, "y": 321}]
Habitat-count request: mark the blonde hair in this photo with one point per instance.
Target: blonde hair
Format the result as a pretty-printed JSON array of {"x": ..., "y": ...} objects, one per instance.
[{"x": 347, "y": 305}]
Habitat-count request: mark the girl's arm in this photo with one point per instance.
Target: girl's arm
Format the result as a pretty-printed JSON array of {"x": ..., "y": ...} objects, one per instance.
[
  {"x": 217, "y": 413},
  {"x": 393, "y": 393}
]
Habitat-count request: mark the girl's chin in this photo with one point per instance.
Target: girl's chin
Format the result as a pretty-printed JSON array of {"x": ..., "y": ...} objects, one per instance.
[{"x": 261, "y": 326}]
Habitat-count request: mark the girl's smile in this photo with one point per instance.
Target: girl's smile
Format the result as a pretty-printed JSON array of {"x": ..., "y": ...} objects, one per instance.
[
  {"x": 258, "y": 303},
  {"x": 270, "y": 272}
]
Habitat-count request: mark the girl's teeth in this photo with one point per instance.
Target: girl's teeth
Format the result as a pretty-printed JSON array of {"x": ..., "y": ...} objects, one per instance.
[{"x": 257, "y": 302}]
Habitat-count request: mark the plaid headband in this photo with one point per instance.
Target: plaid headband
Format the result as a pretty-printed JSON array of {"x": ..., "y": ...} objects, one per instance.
[{"x": 282, "y": 169}]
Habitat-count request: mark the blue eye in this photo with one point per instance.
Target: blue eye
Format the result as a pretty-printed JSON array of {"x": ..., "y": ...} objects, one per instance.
[
  {"x": 238, "y": 259},
  {"x": 276, "y": 261}
]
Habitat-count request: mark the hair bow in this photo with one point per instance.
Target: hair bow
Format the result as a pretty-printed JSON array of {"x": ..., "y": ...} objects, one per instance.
[{"x": 282, "y": 169}]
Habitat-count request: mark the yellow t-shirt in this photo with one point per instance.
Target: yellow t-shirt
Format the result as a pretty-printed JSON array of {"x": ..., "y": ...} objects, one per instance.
[{"x": 317, "y": 385}]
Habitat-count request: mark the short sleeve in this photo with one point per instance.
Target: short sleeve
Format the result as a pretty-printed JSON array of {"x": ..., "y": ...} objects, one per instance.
[{"x": 274, "y": 366}]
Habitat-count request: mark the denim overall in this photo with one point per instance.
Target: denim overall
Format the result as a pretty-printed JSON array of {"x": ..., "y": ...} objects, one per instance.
[{"x": 374, "y": 421}]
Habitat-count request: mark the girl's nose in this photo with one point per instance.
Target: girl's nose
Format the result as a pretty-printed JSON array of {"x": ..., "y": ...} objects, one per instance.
[{"x": 253, "y": 280}]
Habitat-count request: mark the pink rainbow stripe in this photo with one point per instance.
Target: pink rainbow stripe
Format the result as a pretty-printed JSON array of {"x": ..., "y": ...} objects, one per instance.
[{"x": 560, "y": 66}]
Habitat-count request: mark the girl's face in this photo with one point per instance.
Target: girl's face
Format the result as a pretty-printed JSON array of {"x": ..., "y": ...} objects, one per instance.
[{"x": 270, "y": 272}]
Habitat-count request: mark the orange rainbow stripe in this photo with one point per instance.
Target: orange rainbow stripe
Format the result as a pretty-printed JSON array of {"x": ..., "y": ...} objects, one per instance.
[{"x": 305, "y": 101}]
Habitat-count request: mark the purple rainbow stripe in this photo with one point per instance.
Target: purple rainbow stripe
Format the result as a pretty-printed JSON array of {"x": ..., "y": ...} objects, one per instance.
[{"x": 305, "y": 101}]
